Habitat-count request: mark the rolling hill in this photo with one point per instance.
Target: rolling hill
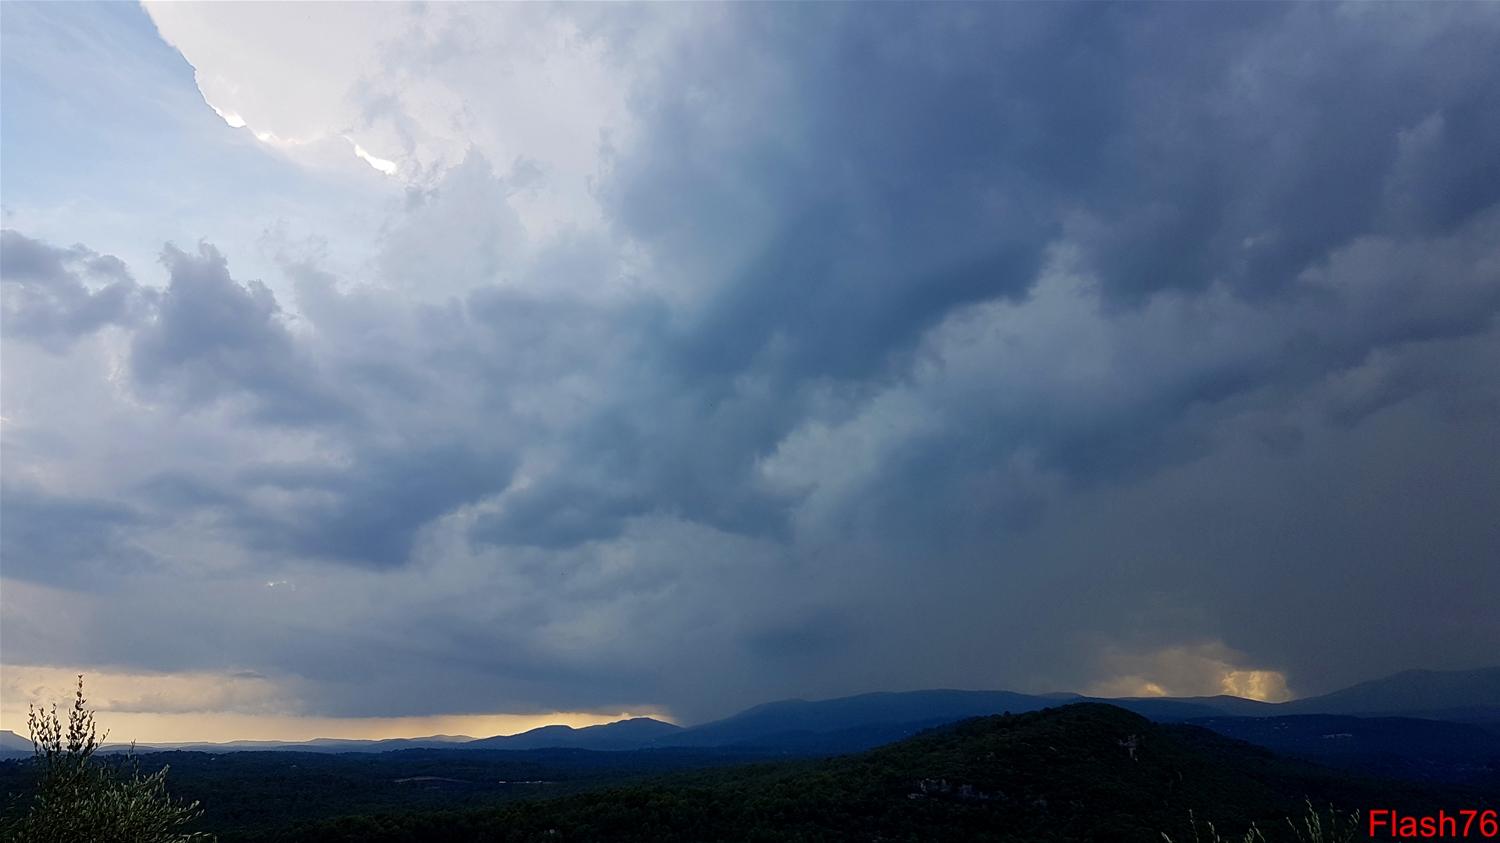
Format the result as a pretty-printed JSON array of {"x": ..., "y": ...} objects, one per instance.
[
  {"x": 1080, "y": 772},
  {"x": 849, "y": 724},
  {"x": 864, "y": 721},
  {"x": 1408, "y": 748},
  {"x": 634, "y": 733},
  {"x": 766, "y": 725},
  {"x": 1464, "y": 695},
  {"x": 13, "y": 745}
]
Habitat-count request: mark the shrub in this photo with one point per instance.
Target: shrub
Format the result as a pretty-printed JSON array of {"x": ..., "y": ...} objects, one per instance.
[{"x": 81, "y": 798}]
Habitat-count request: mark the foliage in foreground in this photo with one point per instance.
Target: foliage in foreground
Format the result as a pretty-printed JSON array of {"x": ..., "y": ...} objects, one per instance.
[
  {"x": 1315, "y": 827},
  {"x": 80, "y": 798}
]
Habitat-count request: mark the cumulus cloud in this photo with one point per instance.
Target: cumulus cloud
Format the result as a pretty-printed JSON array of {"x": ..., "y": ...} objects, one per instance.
[
  {"x": 56, "y": 295},
  {"x": 216, "y": 338},
  {"x": 368, "y": 512},
  {"x": 984, "y": 346},
  {"x": 416, "y": 90}
]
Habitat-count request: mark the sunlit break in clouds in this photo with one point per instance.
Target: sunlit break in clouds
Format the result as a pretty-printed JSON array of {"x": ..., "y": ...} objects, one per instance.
[
  {"x": 233, "y": 120},
  {"x": 380, "y": 164},
  {"x": 372, "y": 369}
]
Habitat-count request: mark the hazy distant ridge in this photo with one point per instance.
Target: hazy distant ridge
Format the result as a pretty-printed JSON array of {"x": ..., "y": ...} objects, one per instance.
[{"x": 867, "y": 720}]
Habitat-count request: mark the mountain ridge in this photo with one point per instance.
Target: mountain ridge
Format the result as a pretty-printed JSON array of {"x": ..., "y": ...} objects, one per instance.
[
  {"x": 1410, "y": 691},
  {"x": 862, "y": 721},
  {"x": 1081, "y": 771},
  {"x": 630, "y": 733}
]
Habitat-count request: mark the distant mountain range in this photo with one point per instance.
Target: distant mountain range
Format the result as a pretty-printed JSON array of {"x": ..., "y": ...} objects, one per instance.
[
  {"x": 854, "y": 723},
  {"x": 10, "y": 742},
  {"x": 635, "y": 733},
  {"x": 1459, "y": 695},
  {"x": 1076, "y": 772},
  {"x": 880, "y": 716},
  {"x": 850, "y": 724}
]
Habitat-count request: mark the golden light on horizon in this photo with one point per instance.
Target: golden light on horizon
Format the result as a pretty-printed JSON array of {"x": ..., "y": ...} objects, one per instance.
[
  {"x": 218, "y": 707},
  {"x": 1263, "y": 685},
  {"x": 1190, "y": 671}
]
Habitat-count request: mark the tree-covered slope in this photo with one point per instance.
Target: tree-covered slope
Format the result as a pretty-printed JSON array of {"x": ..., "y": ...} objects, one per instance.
[{"x": 1080, "y": 772}]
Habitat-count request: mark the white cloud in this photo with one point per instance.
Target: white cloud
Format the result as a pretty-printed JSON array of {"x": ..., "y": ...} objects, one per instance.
[{"x": 421, "y": 84}]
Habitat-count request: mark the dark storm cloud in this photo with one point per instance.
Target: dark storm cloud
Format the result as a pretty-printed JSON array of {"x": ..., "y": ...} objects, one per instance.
[
  {"x": 215, "y": 338},
  {"x": 47, "y": 298},
  {"x": 68, "y": 541},
  {"x": 1273, "y": 204},
  {"x": 878, "y": 170},
  {"x": 906, "y": 163},
  {"x": 368, "y": 513},
  {"x": 967, "y": 337},
  {"x": 559, "y": 515},
  {"x": 666, "y": 450}
]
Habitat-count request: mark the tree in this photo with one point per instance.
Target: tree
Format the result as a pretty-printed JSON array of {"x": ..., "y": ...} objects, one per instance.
[{"x": 82, "y": 798}]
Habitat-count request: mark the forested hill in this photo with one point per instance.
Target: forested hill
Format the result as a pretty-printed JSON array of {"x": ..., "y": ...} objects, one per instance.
[{"x": 1079, "y": 772}]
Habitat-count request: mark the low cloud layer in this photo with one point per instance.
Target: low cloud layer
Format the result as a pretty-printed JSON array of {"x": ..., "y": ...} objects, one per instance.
[{"x": 1143, "y": 350}]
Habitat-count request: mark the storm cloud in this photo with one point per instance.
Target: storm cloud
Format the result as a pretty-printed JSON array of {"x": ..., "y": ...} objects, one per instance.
[
  {"x": 48, "y": 300},
  {"x": 1021, "y": 346}
]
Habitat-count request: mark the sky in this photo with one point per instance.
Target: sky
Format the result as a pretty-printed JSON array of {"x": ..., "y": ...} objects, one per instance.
[{"x": 397, "y": 369}]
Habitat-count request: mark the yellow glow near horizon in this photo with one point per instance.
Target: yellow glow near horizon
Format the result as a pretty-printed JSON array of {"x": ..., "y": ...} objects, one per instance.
[
  {"x": 1263, "y": 685},
  {"x": 217, "y": 707},
  {"x": 1190, "y": 671},
  {"x": 218, "y": 727}
]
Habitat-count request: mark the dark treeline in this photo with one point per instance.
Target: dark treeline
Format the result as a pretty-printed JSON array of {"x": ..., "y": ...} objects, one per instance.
[{"x": 1081, "y": 772}]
